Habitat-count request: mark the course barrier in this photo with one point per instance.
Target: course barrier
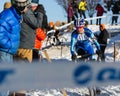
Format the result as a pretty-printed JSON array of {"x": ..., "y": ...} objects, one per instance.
[
  {"x": 106, "y": 19},
  {"x": 58, "y": 74}
]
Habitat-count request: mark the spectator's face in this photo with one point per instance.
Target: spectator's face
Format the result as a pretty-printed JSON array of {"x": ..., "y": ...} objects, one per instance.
[
  {"x": 101, "y": 28},
  {"x": 34, "y": 8}
]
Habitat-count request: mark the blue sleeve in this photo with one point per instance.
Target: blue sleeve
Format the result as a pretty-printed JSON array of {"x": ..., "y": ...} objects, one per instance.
[
  {"x": 4, "y": 34},
  {"x": 72, "y": 45},
  {"x": 90, "y": 34},
  {"x": 95, "y": 41}
]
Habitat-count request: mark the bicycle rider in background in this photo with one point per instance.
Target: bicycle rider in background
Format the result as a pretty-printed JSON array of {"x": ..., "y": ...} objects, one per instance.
[{"x": 82, "y": 40}]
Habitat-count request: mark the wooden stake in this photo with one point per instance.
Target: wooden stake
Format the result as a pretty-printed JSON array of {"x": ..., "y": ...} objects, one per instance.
[
  {"x": 47, "y": 55},
  {"x": 64, "y": 92}
]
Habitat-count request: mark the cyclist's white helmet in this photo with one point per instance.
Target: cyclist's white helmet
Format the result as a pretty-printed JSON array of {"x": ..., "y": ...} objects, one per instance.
[{"x": 79, "y": 23}]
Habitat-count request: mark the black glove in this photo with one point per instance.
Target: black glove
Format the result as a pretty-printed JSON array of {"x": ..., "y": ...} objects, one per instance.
[{"x": 74, "y": 57}]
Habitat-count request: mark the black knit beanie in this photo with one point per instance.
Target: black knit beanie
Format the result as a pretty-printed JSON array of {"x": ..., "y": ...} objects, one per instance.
[{"x": 35, "y": 1}]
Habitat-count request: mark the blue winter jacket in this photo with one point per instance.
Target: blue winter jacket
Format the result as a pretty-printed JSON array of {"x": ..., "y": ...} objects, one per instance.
[
  {"x": 83, "y": 41},
  {"x": 9, "y": 30}
]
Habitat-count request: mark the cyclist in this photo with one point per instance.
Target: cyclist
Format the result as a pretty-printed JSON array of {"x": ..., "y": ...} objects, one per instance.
[{"x": 82, "y": 40}]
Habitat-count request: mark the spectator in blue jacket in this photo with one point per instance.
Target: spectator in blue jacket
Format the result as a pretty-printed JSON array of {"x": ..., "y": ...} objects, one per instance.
[
  {"x": 81, "y": 41},
  {"x": 10, "y": 29}
]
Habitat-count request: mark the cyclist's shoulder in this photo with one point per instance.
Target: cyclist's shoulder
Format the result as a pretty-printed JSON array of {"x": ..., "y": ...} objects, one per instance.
[{"x": 74, "y": 32}]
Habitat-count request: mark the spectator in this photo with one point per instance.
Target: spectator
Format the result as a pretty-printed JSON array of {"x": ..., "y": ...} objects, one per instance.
[
  {"x": 70, "y": 13},
  {"x": 91, "y": 11},
  {"x": 80, "y": 41},
  {"x": 56, "y": 39},
  {"x": 7, "y": 5},
  {"x": 54, "y": 36},
  {"x": 100, "y": 12},
  {"x": 82, "y": 8},
  {"x": 31, "y": 21},
  {"x": 51, "y": 26},
  {"x": 86, "y": 24},
  {"x": 10, "y": 29},
  {"x": 41, "y": 9},
  {"x": 40, "y": 34},
  {"x": 108, "y": 5},
  {"x": 102, "y": 39},
  {"x": 75, "y": 8},
  {"x": 115, "y": 11}
]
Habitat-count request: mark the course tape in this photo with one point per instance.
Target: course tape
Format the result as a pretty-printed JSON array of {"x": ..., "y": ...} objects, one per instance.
[{"x": 58, "y": 74}]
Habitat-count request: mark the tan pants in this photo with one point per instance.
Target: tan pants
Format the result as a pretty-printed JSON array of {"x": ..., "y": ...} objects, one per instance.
[{"x": 23, "y": 55}]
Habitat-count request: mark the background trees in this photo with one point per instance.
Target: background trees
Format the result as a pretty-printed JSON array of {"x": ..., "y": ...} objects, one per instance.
[{"x": 90, "y": 3}]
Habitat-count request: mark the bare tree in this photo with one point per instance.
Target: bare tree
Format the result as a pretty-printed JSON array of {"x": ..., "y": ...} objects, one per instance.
[{"x": 63, "y": 3}]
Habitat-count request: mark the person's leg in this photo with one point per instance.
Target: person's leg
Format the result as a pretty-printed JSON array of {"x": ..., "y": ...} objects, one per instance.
[
  {"x": 91, "y": 20},
  {"x": 6, "y": 57},
  {"x": 80, "y": 12},
  {"x": 35, "y": 55},
  {"x": 112, "y": 20},
  {"x": 103, "y": 52},
  {"x": 68, "y": 19},
  {"x": 76, "y": 15},
  {"x": 116, "y": 17},
  {"x": 24, "y": 55},
  {"x": 99, "y": 21},
  {"x": 83, "y": 13},
  {"x": 90, "y": 51}
]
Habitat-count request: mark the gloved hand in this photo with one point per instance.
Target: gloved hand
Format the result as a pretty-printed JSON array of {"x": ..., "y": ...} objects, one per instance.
[{"x": 74, "y": 57}]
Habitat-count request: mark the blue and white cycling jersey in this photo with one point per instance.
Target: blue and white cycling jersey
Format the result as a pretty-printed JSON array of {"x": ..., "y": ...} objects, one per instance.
[{"x": 83, "y": 41}]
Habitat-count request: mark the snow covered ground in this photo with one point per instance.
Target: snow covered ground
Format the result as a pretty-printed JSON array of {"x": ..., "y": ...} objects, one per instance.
[
  {"x": 56, "y": 53},
  {"x": 105, "y": 91},
  {"x": 63, "y": 52},
  {"x": 59, "y": 53}
]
